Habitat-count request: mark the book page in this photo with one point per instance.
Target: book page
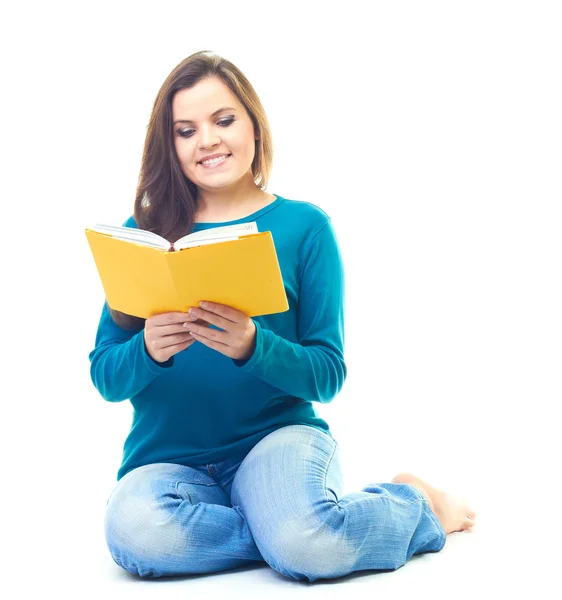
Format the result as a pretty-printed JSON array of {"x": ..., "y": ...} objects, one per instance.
[
  {"x": 216, "y": 234},
  {"x": 132, "y": 234},
  {"x": 203, "y": 242},
  {"x": 198, "y": 238}
]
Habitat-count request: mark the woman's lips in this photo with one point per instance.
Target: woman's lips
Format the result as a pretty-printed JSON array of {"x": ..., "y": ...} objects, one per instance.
[{"x": 214, "y": 165}]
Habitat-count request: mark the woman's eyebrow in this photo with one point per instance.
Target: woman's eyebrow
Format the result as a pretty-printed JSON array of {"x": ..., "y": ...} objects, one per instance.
[{"x": 213, "y": 115}]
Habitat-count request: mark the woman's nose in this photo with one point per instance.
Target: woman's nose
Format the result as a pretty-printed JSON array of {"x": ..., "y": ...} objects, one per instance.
[{"x": 208, "y": 137}]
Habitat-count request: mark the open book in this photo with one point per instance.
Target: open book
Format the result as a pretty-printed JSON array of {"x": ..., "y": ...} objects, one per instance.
[
  {"x": 144, "y": 274},
  {"x": 207, "y": 236}
]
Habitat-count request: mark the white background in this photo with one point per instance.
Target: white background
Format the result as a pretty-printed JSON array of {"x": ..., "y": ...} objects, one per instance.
[{"x": 431, "y": 133}]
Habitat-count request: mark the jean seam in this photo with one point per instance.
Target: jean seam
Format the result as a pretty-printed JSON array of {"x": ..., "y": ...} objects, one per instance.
[{"x": 326, "y": 471}]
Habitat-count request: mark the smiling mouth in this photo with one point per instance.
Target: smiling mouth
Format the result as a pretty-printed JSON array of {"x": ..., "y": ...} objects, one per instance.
[{"x": 214, "y": 161}]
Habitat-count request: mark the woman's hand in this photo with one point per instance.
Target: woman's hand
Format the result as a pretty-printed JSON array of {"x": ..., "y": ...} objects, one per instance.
[
  {"x": 165, "y": 335},
  {"x": 238, "y": 338}
]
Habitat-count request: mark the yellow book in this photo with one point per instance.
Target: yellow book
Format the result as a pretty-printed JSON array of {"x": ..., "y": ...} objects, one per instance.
[{"x": 143, "y": 274}]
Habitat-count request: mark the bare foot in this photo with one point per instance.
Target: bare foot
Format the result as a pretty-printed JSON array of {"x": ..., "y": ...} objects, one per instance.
[{"x": 454, "y": 514}]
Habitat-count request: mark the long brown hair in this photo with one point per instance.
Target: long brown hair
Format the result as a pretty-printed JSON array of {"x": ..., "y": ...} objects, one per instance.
[{"x": 166, "y": 200}]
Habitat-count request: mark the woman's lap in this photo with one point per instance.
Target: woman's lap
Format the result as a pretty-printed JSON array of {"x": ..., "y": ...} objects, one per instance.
[{"x": 281, "y": 503}]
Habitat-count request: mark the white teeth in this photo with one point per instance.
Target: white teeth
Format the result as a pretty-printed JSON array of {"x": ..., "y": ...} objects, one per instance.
[{"x": 212, "y": 161}]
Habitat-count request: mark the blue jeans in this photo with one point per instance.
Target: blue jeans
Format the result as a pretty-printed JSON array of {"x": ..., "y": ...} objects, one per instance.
[{"x": 282, "y": 503}]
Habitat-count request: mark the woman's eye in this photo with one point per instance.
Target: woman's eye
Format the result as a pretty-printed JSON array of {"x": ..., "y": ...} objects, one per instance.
[
  {"x": 184, "y": 132},
  {"x": 189, "y": 132}
]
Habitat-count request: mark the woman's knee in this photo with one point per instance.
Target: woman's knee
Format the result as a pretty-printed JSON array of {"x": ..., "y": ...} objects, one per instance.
[
  {"x": 143, "y": 532},
  {"x": 302, "y": 551}
]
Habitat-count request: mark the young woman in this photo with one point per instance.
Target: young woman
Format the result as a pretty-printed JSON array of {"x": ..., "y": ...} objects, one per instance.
[{"x": 227, "y": 463}]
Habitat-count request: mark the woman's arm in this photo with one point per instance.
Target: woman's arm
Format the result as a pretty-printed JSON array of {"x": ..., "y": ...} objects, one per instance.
[
  {"x": 314, "y": 368},
  {"x": 120, "y": 364}
]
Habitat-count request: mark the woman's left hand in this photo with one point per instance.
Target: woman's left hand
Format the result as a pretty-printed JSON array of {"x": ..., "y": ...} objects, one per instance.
[{"x": 238, "y": 338}]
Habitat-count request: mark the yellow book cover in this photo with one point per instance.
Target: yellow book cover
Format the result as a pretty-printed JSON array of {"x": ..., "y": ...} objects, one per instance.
[{"x": 142, "y": 279}]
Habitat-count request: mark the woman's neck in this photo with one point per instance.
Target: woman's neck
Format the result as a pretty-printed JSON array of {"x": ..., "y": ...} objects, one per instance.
[{"x": 229, "y": 205}]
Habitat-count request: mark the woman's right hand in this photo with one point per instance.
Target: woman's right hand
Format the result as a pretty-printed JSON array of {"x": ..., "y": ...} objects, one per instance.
[{"x": 165, "y": 335}]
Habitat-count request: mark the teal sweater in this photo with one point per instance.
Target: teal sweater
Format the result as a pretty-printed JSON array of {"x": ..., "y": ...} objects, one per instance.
[{"x": 202, "y": 407}]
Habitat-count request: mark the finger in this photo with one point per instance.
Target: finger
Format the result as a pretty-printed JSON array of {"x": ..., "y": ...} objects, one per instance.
[
  {"x": 169, "y": 341},
  {"x": 215, "y": 345},
  {"x": 227, "y": 312},
  {"x": 179, "y": 347},
  {"x": 199, "y": 322},
  {"x": 208, "y": 333},
  {"x": 169, "y": 318},
  {"x": 165, "y": 330},
  {"x": 210, "y": 317}
]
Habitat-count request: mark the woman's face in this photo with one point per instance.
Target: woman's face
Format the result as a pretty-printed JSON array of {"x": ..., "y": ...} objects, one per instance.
[{"x": 208, "y": 119}]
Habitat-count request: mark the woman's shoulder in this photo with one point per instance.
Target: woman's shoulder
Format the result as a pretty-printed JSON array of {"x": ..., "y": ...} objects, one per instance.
[{"x": 306, "y": 211}]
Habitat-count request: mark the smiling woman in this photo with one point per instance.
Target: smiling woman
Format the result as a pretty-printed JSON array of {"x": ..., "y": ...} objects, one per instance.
[
  {"x": 216, "y": 147},
  {"x": 227, "y": 462}
]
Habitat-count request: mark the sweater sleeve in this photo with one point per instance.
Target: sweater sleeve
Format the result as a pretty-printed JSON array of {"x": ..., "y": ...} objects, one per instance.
[
  {"x": 314, "y": 368},
  {"x": 120, "y": 365}
]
